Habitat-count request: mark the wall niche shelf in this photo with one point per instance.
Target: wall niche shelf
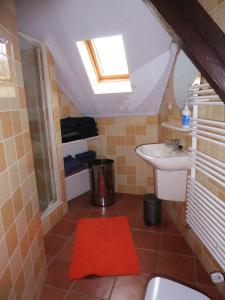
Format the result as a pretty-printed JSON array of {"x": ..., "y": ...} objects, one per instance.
[
  {"x": 177, "y": 127},
  {"x": 78, "y": 183}
]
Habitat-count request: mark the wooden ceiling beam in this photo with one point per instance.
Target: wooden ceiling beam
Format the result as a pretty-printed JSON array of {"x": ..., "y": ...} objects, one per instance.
[{"x": 198, "y": 35}]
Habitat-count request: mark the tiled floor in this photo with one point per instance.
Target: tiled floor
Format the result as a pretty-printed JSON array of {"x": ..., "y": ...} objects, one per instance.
[{"x": 161, "y": 250}]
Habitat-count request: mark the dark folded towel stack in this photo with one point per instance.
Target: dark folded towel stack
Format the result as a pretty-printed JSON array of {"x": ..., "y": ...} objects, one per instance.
[
  {"x": 78, "y": 128},
  {"x": 87, "y": 158},
  {"x": 80, "y": 162},
  {"x": 72, "y": 165}
]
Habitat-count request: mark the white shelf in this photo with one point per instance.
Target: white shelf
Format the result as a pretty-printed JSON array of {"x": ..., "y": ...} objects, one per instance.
[
  {"x": 177, "y": 127},
  {"x": 77, "y": 184},
  {"x": 78, "y": 141}
]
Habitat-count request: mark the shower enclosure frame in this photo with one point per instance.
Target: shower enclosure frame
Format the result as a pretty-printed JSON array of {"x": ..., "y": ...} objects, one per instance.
[{"x": 55, "y": 179}]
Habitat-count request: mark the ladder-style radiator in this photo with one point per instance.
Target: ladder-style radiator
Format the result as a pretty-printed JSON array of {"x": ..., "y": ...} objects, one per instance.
[{"x": 206, "y": 210}]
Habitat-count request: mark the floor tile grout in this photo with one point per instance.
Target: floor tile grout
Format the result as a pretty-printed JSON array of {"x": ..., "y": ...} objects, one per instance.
[
  {"x": 156, "y": 253},
  {"x": 114, "y": 283}
]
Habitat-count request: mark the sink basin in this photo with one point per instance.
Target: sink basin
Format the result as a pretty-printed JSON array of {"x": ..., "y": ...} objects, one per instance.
[{"x": 164, "y": 157}]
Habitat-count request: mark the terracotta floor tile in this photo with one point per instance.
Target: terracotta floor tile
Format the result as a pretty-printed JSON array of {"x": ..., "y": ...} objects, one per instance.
[
  {"x": 146, "y": 240},
  {"x": 202, "y": 276},
  {"x": 176, "y": 266},
  {"x": 53, "y": 244},
  {"x": 148, "y": 261},
  {"x": 164, "y": 261},
  {"x": 82, "y": 201},
  {"x": 58, "y": 274},
  {"x": 66, "y": 250},
  {"x": 170, "y": 227},
  {"x": 95, "y": 286},
  {"x": 98, "y": 214},
  {"x": 74, "y": 214},
  {"x": 126, "y": 205},
  {"x": 64, "y": 228},
  {"x": 132, "y": 219},
  {"x": 76, "y": 296},
  {"x": 124, "y": 197},
  {"x": 212, "y": 292},
  {"x": 49, "y": 259},
  {"x": 130, "y": 287},
  {"x": 175, "y": 244},
  {"x": 140, "y": 224},
  {"x": 51, "y": 292}
]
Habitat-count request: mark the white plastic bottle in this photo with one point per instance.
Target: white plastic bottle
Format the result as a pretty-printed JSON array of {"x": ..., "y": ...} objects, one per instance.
[{"x": 186, "y": 116}]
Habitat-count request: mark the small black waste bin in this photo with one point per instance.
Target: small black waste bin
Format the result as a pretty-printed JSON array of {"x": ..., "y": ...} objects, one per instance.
[
  {"x": 152, "y": 209},
  {"x": 102, "y": 182}
]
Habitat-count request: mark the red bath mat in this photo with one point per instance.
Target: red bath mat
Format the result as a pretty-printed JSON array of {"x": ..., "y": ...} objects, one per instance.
[{"x": 103, "y": 246}]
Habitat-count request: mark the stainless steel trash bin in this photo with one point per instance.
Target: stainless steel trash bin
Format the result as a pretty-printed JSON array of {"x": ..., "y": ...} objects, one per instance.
[{"x": 102, "y": 182}]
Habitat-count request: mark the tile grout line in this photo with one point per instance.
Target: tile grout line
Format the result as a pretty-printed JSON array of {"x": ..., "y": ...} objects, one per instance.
[
  {"x": 114, "y": 283},
  {"x": 195, "y": 270},
  {"x": 160, "y": 244},
  {"x": 70, "y": 289}
]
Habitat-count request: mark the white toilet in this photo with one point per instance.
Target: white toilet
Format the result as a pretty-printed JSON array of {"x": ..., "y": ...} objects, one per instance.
[{"x": 164, "y": 289}]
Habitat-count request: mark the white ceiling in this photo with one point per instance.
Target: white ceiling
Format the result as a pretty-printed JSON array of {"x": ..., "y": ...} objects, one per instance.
[{"x": 61, "y": 23}]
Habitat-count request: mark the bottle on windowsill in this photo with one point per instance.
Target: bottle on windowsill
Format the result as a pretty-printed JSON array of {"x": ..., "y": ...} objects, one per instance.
[{"x": 186, "y": 116}]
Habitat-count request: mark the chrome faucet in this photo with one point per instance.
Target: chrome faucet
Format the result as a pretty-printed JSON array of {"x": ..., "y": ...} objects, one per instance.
[{"x": 175, "y": 143}]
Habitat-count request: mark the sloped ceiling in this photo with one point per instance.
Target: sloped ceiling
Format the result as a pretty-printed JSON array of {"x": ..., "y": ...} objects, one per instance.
[{"x": 61, "y": 23}]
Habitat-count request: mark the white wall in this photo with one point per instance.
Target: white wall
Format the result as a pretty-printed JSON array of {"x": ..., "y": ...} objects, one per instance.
[{"x": 61, "y": 23}]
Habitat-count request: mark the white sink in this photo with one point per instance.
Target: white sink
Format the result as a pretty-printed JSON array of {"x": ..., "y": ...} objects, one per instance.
[{"x": 164, "y": 157}]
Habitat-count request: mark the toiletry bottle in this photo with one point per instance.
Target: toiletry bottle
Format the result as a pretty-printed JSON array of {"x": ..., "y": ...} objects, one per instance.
[{"x": 186, "y": 116}]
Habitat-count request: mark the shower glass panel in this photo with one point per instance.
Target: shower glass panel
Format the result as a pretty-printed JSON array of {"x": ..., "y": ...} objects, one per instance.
[{"x": 35, "y": 90}]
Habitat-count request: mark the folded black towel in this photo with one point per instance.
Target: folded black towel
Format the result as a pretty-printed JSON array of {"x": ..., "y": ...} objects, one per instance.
[
  {"x": 86, "y": 121},
  {"x": 88, "y": 134},
  {"x": 67, "y": 123},
  {"x": 71, "y": 136},
  {"x": 71, "y": 165},
  {"x": 68, "y": 130},
  {"x": 86, "y": 155},
  {"x": 87, "y": 158},
  {"x": 80, "y": 122}
]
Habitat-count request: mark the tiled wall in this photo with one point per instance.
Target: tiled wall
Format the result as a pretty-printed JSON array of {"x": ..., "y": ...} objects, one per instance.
[
  {"x": 119, "y": 136},
  {"x": 67, "y": 108},
  {"x": 22, "y": 255},
  {"x": 170, "y": 112}
]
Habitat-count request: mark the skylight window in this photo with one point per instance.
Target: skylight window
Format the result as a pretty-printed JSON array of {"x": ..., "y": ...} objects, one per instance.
[
  {"x": 109, "y": 57},
  {"x": 106, "y": 64}
]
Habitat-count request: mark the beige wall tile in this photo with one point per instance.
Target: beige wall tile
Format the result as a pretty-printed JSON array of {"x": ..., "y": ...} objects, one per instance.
[
  {"x": 7, "y": 214},
  {"x": 19, "y": 146},
  {"x": 17, "y": 201},
  {"x": 17, "y": 128},
  {"x": 3, "y": 257},
  {"x": 5, "y": 188},
  {"x": 6, "y": 121},
  {"x": 2, "y": 158},
  {"x": 24, "y": 245},
  {"x": 11, "y": 240},
  {"x": 5, "y": 281},
  {"x": 21, "y": 225},
  {"x": 10, "y": 151},
  {"x": 19, "y": 286},
  {"x": 14, "y": 178},
  {"x": 15, "y": 264}
]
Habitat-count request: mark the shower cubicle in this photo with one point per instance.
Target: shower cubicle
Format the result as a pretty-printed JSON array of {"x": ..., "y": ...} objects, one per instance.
[{"x": 38, "y": 97}]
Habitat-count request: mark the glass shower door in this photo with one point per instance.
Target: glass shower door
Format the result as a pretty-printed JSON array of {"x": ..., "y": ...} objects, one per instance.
[{"x": 35, "y": 90}]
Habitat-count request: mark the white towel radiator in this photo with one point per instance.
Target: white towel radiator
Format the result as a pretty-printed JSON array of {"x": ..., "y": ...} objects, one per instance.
[{"x": 205, "y": 210}]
